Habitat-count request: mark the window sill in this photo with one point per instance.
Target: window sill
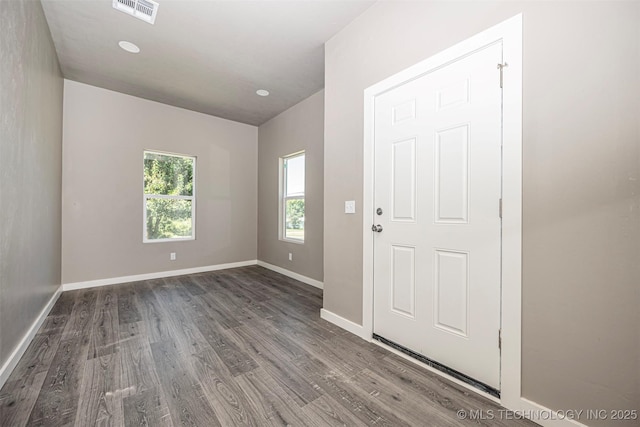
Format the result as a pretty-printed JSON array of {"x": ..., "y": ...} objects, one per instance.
[
  {"x": 297, "y": 242},
  {"x": 185, "y": 239}
]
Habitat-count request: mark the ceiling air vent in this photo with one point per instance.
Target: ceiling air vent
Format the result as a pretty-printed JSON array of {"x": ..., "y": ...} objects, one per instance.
[{"x": 141, "y": 9}]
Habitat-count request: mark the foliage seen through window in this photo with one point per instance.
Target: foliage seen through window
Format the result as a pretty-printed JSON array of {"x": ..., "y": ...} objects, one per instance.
[{"x": 169, "y": 196}]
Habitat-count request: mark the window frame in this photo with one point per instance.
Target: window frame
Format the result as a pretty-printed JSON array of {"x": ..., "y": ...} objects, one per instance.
[
  {"x": 146, "y": 196},
  {"x": 283, "y": 198}
]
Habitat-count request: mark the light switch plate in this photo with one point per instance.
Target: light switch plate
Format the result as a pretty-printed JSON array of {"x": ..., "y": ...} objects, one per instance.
[{"x": 350, "y": 207}]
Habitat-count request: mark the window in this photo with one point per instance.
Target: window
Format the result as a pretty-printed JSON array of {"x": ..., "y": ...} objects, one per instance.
[
  {"x": 169, "y": 197},
  {"x": 292, "y": 203}
]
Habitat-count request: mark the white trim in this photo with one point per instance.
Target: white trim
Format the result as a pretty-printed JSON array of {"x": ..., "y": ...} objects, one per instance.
[
  {"x": 510, "y": 33},
  {"x": 544, "y": 416},
  {"x": 304, "y": 279},
  {"x": 18, "y": 352},
  {"x": 290, "y": 240},
  {"x": 167, "y": 197},
  {"x": 175, "y": 239},
  {"x": 282, "y": 196},
  {"x": 157, "y": 275},
  {"x": 345, "y": 324},
  {"x": 146, "y": 196},
  {"x": 511, "y": 369}
]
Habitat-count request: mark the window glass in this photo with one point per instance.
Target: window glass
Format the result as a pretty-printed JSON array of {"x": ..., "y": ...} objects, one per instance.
[
  {"x": 169, "y": 197},
  {"x": 293, "y": 209}
]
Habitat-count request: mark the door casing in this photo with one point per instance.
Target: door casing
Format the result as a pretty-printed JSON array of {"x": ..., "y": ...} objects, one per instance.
[{"x": 510, "y": 33}]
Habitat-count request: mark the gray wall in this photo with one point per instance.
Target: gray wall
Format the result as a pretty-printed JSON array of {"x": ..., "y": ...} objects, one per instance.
[
  {"x": 299, "y": 128},
  {"x": 30, "y": 169},
  {"x": 105, "y": 134},
  {"x": 581, "y": 333}
]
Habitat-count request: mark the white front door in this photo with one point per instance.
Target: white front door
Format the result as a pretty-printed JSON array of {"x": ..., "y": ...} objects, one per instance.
[{"x": 437, "y": 191}]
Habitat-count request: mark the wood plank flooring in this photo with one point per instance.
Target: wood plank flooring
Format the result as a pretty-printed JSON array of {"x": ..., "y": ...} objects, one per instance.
[{"x": 238, "y": 347}]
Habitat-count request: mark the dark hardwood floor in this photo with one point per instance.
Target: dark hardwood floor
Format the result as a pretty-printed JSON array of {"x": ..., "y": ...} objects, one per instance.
[{"x": 238, "y": 347}]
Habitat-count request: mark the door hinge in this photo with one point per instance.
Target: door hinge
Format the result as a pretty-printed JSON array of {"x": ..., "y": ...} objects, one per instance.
[
  {"x": 500, "y": 339},
  {"x": 500, "y": 208},
  {"x": 501, "y": 68}
]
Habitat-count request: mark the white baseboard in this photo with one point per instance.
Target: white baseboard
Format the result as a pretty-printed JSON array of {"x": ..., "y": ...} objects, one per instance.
[
  {"x": 15, "y": 356},
  {"x": 158, "y": 275},
  {"x": 284, "y": 271},
  {"x": 547, "y": 417},
  {"x": 345, "y": 324}
]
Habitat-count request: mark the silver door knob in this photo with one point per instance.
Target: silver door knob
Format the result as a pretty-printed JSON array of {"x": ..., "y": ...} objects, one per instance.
[{"x": 376, "y": 228}]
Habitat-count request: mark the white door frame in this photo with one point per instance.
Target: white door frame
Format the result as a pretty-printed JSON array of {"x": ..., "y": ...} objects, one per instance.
[{"x": 510, "y": 33}]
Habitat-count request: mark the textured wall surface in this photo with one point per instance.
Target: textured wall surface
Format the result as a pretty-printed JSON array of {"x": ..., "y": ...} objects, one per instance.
[
  {"x": 581, "y": 183},
  {"x": 105, "y": 134},
  {"x": 31, "y": 88},
  {"x": 299, "y": 128}
]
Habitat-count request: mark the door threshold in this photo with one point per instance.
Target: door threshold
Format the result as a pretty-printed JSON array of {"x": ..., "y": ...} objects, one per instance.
[{"x": 440, "y": 367}]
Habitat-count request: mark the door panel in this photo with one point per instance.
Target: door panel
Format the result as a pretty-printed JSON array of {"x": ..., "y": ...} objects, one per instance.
[
  {"x": 438, "y": 183},
  {"x": 403, "y": 280},
  {"x": 451, "y": 287},
  {"x": 403, "y": 174},
  {"x": 452, "y": 174},
  {"x": 453, "y": 95}
]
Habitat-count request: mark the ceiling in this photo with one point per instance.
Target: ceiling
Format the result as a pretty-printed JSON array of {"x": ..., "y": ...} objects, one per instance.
[{"x": 207, "y": 55}]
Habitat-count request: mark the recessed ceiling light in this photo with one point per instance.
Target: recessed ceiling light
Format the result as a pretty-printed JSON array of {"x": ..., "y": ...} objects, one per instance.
[
  {"x": 262, "y": 92},
  {"x": 129, "y": 47}
]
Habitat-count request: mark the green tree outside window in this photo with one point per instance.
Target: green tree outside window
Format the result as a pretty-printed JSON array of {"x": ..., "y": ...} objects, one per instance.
[{"x": 169, "y": 196}]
